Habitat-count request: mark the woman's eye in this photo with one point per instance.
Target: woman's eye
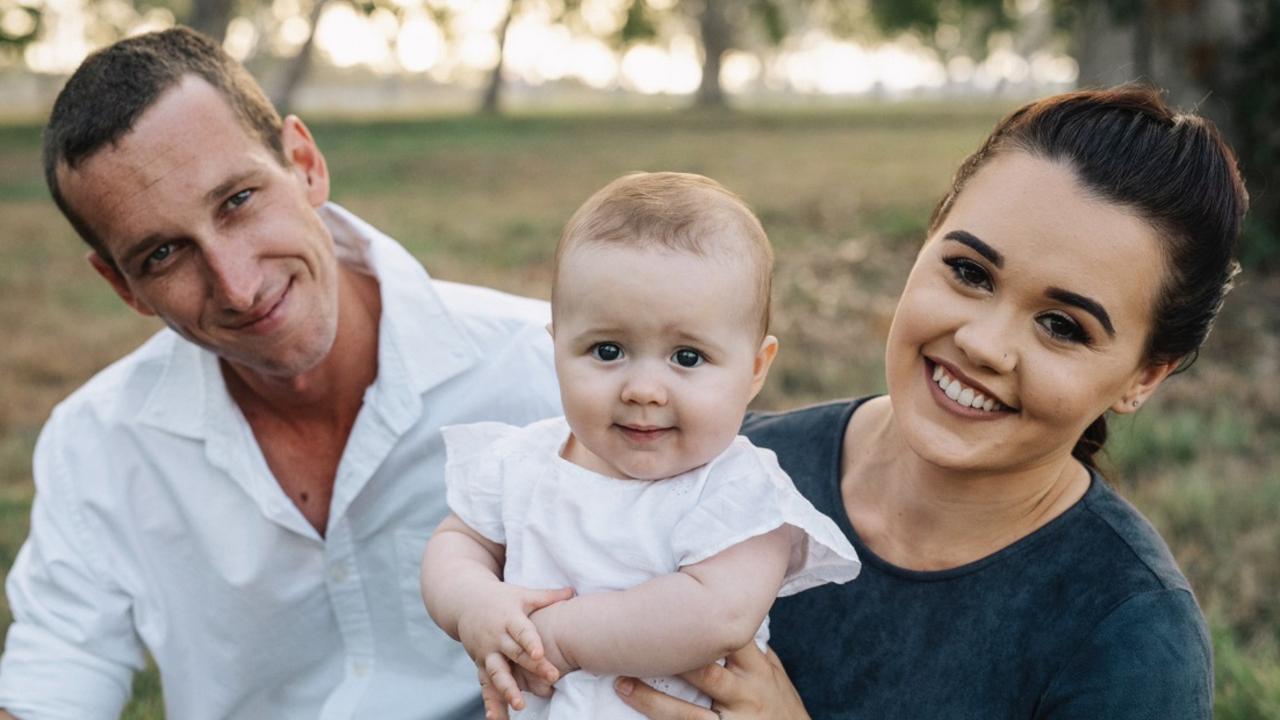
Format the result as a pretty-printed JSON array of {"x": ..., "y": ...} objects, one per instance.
[
  {"x": 238, "y": 199},
  {"x": 684, "y": 357},
  {"x": 1063, "y": 327},
  {"x": 606, "y": 352},
  {"x": 969, "y": 272}
]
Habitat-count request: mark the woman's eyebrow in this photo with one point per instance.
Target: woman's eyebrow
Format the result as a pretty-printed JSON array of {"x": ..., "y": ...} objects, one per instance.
[
  {"x": 1089, "y": 305},
  {"x": 983, "y": 249}
]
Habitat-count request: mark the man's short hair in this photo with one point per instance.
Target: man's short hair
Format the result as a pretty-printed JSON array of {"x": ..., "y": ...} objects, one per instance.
[
  {"x": 673, "y": 211},
  {"x": 114, "y": 86}
]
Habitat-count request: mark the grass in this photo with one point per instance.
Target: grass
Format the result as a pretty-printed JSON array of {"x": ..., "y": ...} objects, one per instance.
[{"x": 844, "y": 196}]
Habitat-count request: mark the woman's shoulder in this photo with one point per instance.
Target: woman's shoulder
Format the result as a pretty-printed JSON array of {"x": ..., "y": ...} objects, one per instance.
[
  {"x": 1134, "y": 542},
  {"x": 798, "y": 420}
]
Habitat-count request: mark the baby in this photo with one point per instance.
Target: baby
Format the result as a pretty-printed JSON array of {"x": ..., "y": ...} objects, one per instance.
[{"x": 639, "y": 534}]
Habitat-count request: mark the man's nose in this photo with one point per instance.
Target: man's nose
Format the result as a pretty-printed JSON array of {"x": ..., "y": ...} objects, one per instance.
[{"x": 235, "y": 276}]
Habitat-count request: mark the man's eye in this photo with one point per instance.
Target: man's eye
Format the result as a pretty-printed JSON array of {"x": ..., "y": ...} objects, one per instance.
[
  {"x": 238, "y": 199},
  {"x": 969, "y": 272},
  {"x": 157, "y": 256},
  {"x": 606, "y": 352},
  {"x": 684, "y": 357}
]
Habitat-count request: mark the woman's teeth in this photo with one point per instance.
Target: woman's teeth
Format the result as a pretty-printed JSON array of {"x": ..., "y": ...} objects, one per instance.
[{"x": 962, "y": 395}]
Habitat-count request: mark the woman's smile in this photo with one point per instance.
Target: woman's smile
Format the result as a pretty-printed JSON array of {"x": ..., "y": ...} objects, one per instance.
[{"x": 963, "y": 396}]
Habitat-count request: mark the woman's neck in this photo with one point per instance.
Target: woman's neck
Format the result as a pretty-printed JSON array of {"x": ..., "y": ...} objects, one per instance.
[{"x": 922, "y": 516}]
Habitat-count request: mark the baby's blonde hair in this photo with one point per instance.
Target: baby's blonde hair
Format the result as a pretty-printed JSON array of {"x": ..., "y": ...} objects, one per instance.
[{"x": 673, "y": 211}]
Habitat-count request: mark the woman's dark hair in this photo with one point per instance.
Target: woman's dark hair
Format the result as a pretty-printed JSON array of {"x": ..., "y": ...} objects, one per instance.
[{"x": 1126, "y": 146}]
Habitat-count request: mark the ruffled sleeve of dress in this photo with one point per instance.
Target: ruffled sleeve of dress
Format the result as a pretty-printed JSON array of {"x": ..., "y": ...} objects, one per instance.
[
  {"x": 746, "y": 494},
  {"x": 473, "y": 474}
]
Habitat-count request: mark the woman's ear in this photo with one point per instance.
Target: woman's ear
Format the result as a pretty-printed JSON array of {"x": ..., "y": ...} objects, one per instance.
[{"x": 1144, "y": 383}]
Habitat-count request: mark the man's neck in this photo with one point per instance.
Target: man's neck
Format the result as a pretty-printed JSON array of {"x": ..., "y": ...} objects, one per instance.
[
  {"x": 302, "y": 423},
  {"x": 333, "y": 390}
]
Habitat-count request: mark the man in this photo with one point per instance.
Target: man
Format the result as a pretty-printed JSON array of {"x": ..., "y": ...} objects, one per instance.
[{"x": 247, "y": 495}]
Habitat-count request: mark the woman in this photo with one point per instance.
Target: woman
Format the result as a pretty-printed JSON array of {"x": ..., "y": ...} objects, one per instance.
[{"x": 1078, "y": 260}]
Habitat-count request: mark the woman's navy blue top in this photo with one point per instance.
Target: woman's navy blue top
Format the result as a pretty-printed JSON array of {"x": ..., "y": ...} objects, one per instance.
[{"x": 1087, "y": 617}]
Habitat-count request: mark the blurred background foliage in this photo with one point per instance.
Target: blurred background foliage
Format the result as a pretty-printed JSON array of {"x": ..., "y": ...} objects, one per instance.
[{"x": 840, "y": 121}]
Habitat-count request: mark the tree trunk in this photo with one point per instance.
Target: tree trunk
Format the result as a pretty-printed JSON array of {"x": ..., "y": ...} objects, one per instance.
[
  {"x": 717, "y": 39},
  {"x": 298, "y": 65},
  {"x": 1143, "y": 38},
  {"x": 489, "y": 104},
  {"x": 211, "y": 17},
  {"x": 1103, "y": 47}
]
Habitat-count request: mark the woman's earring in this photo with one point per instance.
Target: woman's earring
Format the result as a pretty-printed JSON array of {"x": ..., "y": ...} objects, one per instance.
[{"x": 1136, "y": 403}]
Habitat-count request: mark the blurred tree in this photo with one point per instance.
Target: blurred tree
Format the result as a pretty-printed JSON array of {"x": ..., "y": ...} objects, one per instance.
[
  {"x": 565, "y": 11},
  {"x": 297, "y": 67},
  {"x": 1255, "y": 102},
  {"x": 725, "y": 25},
  {"x": 493, "y": 88},
  {"x": 19, "y": 26},
  {"x": 1218, "y": 57},
  {"x": 211, "y": 17}
]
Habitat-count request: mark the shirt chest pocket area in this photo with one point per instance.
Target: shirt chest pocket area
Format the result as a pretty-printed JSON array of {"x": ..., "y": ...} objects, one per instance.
[{"x": 426, "y": 639}]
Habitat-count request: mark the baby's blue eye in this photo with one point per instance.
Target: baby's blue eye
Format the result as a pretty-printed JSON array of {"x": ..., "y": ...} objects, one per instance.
[
  {"x": 684, "y": 357},
  {"x": 606, "y": 352}
]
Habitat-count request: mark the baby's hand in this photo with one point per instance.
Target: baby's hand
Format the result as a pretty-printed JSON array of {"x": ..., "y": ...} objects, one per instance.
[
  {"x": 545, "y": 621},
  {"x": 496, "y": 629}
]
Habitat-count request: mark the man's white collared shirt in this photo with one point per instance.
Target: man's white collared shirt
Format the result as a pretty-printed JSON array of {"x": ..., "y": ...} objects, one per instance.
[{"x": 157, "y": 524}]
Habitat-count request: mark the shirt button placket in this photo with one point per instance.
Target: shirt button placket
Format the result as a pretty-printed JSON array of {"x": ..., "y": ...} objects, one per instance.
[{"x": 346, "y": 595}]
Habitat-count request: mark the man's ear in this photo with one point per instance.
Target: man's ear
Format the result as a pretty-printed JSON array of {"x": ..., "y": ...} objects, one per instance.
[
  {"x": 118, "y": 283},
  {"x": 1144, "y": 383},
  {"x": 764, "y": 358},
  {"x": 305, "y": 159}
]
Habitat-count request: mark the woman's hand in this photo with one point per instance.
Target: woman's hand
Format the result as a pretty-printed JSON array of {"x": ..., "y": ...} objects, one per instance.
[{"x": 752, "y": 684}]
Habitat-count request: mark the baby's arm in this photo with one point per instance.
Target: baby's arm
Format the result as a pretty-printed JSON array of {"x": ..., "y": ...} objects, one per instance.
[
  {"x": 672, "y": 623},
  {"x": 464, "y": 594}
]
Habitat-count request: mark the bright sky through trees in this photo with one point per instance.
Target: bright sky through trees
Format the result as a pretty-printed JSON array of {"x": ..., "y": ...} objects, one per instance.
[{"x": 540, "y": 50}]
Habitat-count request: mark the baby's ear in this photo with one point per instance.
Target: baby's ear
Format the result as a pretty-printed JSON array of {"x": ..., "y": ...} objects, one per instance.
[{"x": 764, "y": 358}]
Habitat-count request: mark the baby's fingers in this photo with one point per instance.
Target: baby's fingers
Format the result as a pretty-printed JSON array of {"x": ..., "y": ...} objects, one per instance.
[
  {"x": 526, "y": 637},
  {"x": 516, "y": 654},
  {"x": 503, "y": 682},
  {"x": 495, "y": 706}
]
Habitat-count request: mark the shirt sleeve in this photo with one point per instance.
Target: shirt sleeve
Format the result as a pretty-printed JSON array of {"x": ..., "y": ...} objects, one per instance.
[
  {"x": 1150, "y": 659},
  {"x": 748, "y": 494},
  {"x": 72, "y": 650},
  {"x": 472, "y": 475}
]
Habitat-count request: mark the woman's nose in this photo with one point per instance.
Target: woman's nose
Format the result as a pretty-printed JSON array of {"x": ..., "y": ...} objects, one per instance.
[{"x": 989, "y": 342}]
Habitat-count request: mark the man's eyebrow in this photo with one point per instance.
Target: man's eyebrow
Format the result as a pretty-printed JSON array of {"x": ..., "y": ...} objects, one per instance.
[
  {"x": 220, "y": 192},
  {"x": 983, "y": 249},
  {"x": 1089, "y": 305}
]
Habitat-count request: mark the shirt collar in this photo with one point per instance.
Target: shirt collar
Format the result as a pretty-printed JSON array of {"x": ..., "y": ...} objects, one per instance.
[{"x": 420, "y": 343}]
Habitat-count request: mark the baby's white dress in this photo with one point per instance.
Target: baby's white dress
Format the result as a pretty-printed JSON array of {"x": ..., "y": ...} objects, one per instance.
[{"x": 566, "y": 526}]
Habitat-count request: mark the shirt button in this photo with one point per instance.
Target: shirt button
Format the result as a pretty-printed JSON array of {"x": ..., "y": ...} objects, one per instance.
[
  {"x": 338, "y": 572},
  {"x": 359, "y": 668}
]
